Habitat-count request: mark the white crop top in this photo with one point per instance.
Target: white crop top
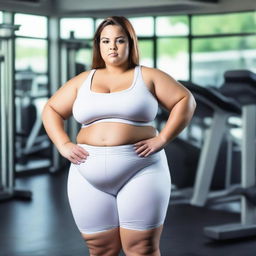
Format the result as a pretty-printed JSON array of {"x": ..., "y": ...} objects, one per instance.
[{"x": 135, "y": 105}]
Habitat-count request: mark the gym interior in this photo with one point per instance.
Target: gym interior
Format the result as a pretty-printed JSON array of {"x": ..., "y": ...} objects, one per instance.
[{"x": 208, "y": 46}]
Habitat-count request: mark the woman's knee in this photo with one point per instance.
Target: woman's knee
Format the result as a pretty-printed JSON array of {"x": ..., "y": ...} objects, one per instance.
[
  {"x": 106, "y": 243},
  {"x": 136, "y": 243}
]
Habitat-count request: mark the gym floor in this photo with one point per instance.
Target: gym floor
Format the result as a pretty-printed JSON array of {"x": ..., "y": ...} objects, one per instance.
[{"x": 45, "y": 226}]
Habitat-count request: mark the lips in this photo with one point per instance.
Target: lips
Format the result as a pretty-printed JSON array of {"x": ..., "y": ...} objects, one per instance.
[{"x": 113, "y": 54}]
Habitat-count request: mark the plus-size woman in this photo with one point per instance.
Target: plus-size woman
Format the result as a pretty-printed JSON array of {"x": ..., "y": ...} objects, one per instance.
[{"x": 119, "y": 182}]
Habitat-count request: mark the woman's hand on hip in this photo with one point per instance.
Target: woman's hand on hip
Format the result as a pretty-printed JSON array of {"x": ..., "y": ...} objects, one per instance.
[
  {"x": 147, "y": 147},
  {"x": 74, "y": 153}
]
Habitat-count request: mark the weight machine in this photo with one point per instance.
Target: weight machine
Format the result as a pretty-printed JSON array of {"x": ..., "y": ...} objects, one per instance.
[{"x": 7, "y": 186}]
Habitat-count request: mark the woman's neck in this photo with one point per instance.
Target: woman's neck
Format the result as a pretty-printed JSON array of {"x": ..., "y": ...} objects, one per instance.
[{"x": 117, "y": 69}]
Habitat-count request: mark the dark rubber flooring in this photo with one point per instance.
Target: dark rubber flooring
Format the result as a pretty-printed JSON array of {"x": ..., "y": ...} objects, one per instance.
[{"x": 45, "y": 226}]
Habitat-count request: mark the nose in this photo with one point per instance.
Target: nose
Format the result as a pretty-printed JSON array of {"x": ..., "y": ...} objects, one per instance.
[{"x": 112, "y": 46}]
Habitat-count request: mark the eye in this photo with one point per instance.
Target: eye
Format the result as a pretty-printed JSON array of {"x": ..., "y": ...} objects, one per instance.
[
  {"x": 121, "y": 41},
  {"x": 104, "y": 41}
]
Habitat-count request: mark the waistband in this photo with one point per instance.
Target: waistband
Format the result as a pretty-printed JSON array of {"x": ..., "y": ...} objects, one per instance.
[
  {"x": 126, "y": 150},
  {"x": 120, "y": 120},
  {"x": 119, "y": 149}
]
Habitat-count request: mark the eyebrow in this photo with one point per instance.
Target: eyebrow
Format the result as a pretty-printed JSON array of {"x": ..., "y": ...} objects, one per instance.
[{"x": 108, "y": 38}]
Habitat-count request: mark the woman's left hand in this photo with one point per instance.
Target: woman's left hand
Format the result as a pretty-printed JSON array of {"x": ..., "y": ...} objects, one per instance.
[{"x": 146, "y": 147}]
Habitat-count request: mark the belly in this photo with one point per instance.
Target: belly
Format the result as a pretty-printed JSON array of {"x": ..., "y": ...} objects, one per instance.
[
  {"x": 113, "y": 134},
  {"x": 109, "y": 169}
]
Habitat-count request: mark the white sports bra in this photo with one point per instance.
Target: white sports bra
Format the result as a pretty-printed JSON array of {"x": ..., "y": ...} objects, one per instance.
[{"x": 135, "y": 105}]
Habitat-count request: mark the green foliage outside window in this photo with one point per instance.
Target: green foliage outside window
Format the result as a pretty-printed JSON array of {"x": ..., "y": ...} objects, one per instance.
[
  {"x": 24, "y": 51},
  {"x": 228, "y": 24},
  {"x": 224, "y": 23},
  {"x": 171, "y": 46},
  {"x": 146, "y": 49},
  {"x": 224, "y": 43}
]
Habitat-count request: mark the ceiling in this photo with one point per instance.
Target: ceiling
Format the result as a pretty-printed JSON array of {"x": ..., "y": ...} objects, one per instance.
[{"x": 103, "y": 8}]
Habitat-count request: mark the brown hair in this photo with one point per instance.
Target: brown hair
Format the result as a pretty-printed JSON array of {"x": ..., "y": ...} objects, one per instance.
[{"x": 124, "y": 23}]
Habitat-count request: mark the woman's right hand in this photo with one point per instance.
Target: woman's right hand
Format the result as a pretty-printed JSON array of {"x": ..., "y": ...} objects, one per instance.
[{"x": 73, "y": 152}]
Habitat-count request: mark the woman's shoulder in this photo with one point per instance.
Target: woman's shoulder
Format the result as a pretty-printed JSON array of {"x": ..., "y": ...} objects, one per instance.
[
  {"x": 150, "y": 71},
  {"x": 83, "y": 74},
  {"x": 146, "y": 69},
  {"x": 154, "y": 73},
  {"x": 79, "y": 79},
  {"x": 148, "y": 74}
]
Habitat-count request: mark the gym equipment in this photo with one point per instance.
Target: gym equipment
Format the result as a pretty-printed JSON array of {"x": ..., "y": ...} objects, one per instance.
[
  {"x": 241, "y": 85},
  {"x": 7, "y": 186},
  {"x": 211, "y": 104},
  {"x": 30, "y": 97}
]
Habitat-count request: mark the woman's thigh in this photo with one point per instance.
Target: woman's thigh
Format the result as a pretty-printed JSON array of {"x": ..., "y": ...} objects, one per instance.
[
  {"x": 141, "y": 242},
  {"x": 143, "y": 201},
  {"x": 93, "y": 210}
]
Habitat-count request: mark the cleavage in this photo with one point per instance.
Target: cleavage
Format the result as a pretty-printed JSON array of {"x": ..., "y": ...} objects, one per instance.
[{"x": 98, "y": 86}]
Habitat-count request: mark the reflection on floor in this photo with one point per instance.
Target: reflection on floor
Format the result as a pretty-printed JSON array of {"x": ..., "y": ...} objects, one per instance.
[{"x": 45, "y": 226}]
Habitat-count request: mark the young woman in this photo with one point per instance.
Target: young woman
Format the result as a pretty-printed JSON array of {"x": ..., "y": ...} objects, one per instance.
[{"x": 119, "y": 182}]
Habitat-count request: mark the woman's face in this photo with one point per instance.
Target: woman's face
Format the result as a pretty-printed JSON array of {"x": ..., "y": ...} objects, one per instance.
[{"x": 114, "y": 46}]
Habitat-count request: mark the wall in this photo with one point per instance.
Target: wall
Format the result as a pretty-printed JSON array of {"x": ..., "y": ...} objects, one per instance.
[{"x": 43, "y": 7}]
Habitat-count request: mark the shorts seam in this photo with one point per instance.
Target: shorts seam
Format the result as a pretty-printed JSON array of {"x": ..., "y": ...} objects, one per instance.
[
  {"x": 144, "y": 228},
  {"x": 100, "y": 229}
]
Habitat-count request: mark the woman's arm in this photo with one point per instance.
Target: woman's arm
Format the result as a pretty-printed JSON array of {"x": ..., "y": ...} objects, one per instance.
[
  {"x": 175, "y": 98},
  {"x": 54, "y": 126},
  {"x": 59, "y": 108}
]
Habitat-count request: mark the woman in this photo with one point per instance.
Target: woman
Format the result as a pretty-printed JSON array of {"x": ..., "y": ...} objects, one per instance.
[{"x": 119, "y": 180}]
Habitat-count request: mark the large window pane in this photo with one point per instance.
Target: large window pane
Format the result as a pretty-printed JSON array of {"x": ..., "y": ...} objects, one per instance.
[
  {"x": 173, "y": 57},
  {"x": 224, "y": 23},
  {"x": 97, "y": 22},
  {"x": 31, "y": 25},
  {"x": 143, "y": 26},
  {"x": 212, "y": 57},
  {"x": 175, "y": 25},
  {"x": 83, "y": 59},
  {"x": 82, "y": 27},
  {"x": 31, "y": 54},
  {"x": 146, "y": 53}
]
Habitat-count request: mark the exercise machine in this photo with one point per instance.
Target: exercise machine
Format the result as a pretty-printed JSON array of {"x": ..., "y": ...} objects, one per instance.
[
  {"x": 241, "y": 85},
  {"x": 7, "y": 179},
  {"x": 32, "y": 142},
  {"x": 212, "y": 116}
]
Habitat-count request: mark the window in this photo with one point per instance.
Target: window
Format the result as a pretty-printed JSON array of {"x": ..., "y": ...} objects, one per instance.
[
  {"x": 81, "y": 27},
  {"x": 222, "y": 42},
  {"x": 143, "y": 26},
  {"x": 146, "y": 53},
  {"x": 224, "y": 23},
  {"x": 31, "y": 54},
  {"x": 172, "y": 46},
  {"x": 169, "y": 26},
  {"x": 83, "y": 59},
  {"x": 98, "y": 21},
  {"x": 172, "y": 57},
  {"x": 213, "y": 56},
  {"x": 31, "y": 25}
]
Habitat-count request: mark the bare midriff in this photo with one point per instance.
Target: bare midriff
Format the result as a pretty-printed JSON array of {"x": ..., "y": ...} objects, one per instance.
[{"x": 114, "y": 134}]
